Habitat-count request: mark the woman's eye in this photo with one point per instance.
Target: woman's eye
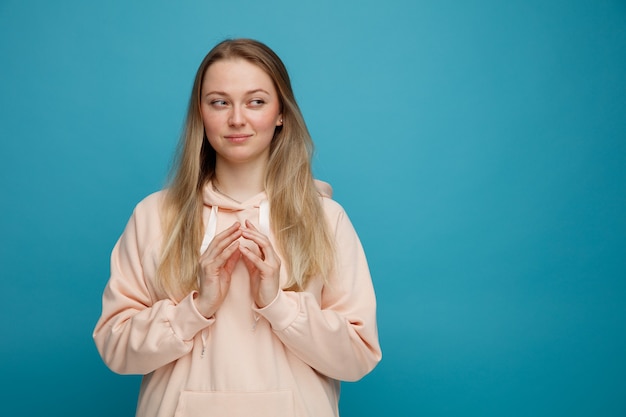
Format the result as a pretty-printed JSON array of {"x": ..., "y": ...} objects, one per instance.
[
  {"x": 257, "y": 102},
  {"x": 218, "y": 103}
]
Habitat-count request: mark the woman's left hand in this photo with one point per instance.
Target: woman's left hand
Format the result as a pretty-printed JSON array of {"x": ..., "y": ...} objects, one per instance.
[{"x": 264, "y": 269}]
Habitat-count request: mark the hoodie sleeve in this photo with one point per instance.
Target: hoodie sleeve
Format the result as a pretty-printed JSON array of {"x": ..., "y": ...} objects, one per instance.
[
  {"x": 135, "y": 335},
  {"x": 337, "y": 337}
]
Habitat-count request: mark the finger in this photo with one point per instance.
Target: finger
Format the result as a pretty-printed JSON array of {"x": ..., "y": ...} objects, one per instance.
[
  {"x": 229, "y": 233},
  {"x": 248, "y": 263},
  {"x": 250, "y": 228},
  {"x": 211, "y": 265},
  {"x": 251, "y": 225},
  {"x": 252, "y": 233},
  {"x": 222, "y": 240},
  {"x": 229, "y": 252},
  {"x": 232, "y": 260},
  {"x": 252, "y": 259},
  {"x": 264, "y": 244}
]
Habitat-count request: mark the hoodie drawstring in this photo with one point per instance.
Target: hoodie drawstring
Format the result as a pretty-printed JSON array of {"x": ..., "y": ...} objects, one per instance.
[
  {"x": 209, "y": 232},
  {"x": 264, "y": 217}
]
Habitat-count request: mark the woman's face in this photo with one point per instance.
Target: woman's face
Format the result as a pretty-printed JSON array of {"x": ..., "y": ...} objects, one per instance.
[{"x": 240, "y": 111}]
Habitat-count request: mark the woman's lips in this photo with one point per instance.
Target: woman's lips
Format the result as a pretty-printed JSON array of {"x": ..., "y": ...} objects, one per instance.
[{"x": 237, "y": 138}]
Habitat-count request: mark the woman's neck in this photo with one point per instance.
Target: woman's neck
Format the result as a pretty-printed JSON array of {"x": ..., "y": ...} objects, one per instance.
[{"x": 239, "y": 182}]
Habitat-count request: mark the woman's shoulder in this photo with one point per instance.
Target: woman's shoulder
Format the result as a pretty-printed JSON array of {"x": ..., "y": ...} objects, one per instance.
[
  {"x": 144, "y": 227},
  {"x": 152, "y": 203},
  {"x": 147, "y": 215},
  {"x": 323, "y": 188},
  {"x": 331, "y": 207}
]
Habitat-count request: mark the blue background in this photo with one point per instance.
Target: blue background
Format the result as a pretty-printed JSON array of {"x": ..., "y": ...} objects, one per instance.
[{"x": 478, "y": 146}]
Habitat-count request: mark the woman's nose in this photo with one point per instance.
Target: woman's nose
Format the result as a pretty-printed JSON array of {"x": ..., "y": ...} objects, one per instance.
[{"x": 236, "y": 117}]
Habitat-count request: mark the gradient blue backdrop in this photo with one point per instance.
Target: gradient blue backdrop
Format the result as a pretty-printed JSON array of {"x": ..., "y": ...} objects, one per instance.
[{"x": 478, "y": 146}]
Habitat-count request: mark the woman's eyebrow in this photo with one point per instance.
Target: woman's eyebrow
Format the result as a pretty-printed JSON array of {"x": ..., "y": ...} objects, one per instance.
[
  {"x": 258, "y": 90},
  {"x": 222, "y": 93}
]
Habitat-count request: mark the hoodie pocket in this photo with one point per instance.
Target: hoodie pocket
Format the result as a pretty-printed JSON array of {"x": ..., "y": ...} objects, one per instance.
[{"x": 235, "y": 404}]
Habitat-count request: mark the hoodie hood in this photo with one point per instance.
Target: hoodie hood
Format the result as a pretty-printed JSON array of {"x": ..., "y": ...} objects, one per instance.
[
  {"x": 217, "y": 201},
  {"x": 213, "y": 198}
]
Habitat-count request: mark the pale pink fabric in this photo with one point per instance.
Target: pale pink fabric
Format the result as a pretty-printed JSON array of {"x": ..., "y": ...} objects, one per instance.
[{"x": 283, "y": 360}]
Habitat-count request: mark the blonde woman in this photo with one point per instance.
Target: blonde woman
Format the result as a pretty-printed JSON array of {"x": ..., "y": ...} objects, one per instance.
[{"x": 241, "y": 289}]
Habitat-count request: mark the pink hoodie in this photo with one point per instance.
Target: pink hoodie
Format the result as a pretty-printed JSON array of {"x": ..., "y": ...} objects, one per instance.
[{"x": 283, "y": 360}]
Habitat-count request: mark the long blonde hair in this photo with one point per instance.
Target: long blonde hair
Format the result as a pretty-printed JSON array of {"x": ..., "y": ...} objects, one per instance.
[{"x": 296, "y": 217}]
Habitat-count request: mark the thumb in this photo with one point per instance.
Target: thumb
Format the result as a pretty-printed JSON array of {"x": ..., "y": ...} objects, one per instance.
[{"x": 232, "y": 260}]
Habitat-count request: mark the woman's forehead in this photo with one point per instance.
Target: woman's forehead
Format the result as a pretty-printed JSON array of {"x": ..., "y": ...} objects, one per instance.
[{"x": 236, "y": 75}]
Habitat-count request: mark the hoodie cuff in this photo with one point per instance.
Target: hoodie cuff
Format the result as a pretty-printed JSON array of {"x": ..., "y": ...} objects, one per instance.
[
  {"x": 282, "y": 311},
  {"x": 186, "y": 320}
]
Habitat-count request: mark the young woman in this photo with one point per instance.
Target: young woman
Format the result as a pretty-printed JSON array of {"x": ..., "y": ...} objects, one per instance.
[{"x": 242, "y": 289}]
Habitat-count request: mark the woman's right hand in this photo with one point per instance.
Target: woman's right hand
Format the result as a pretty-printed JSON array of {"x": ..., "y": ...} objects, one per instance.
[{"x": 216, "y": 266}]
